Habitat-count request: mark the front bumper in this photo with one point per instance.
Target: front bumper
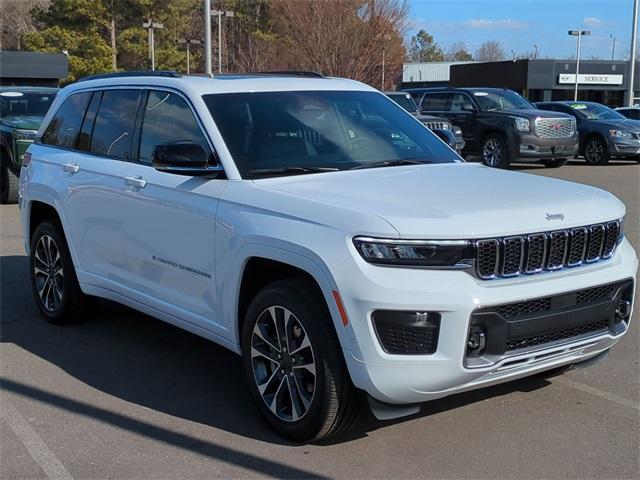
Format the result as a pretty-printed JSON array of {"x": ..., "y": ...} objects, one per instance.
[
  {"x": 399, "y": 379},
  {"x": 528, "y": 146},
  {"x": 624, "y": 146}
]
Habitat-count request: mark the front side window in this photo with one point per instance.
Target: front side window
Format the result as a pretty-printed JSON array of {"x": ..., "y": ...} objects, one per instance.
[
  {"x": 405, "y": 101},
  {"x": 501, "y": 100},
  {"x": 65, "y": 125},
  {"x": 320, "y": 130},
  {"x": 167, "y": 119},
  {"x": 114, "y": 123}
]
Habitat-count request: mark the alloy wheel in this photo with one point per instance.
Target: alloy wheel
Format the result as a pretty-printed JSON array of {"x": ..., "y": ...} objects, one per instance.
[
  {"x": 283, "y": 363},
  {"x": 492, "y": 152},
  {"x": 594, "y": 151},
  {"x": 48, "y": 273}
]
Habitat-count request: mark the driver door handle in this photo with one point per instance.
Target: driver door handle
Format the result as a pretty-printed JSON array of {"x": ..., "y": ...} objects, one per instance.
[
  {"x": 71, "y": 168},
  {"x": 137, "y": 182}
]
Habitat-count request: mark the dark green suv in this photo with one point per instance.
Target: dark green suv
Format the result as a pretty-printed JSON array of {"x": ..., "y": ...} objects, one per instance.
[{"x": 22, "y": 110}]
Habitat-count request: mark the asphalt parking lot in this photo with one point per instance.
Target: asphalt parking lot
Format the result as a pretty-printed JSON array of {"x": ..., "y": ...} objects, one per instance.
[{"x": 125, "y": 396}]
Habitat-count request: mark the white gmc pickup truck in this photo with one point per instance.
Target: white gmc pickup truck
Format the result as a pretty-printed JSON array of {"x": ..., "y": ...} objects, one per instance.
[{"x": 317, "y": 229}]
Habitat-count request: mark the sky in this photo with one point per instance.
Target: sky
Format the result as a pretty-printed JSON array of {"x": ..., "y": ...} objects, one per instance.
[{"x": 520, "y": 24}]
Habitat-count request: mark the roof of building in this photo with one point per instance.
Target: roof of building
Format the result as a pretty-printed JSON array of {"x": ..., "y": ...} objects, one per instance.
[{"x": 33, "y": 65}]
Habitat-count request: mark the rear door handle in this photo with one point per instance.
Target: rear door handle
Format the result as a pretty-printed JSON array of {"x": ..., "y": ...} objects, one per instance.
[
  {"x": 137, "y": 182},
  {"x": 71, "y": 168}
]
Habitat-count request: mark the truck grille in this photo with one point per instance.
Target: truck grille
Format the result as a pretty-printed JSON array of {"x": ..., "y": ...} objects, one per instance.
[
  {"x": 438, "y": 125},
  {"x": 555, "y": 127},
  {"x": 527, "y": 254}
]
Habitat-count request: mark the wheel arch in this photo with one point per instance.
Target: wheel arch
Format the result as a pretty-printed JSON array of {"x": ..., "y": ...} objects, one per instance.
[{"x": 588, "y": 137}]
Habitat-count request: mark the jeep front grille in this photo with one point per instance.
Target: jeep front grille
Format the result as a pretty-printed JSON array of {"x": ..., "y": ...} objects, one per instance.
[
  {"x": 554, "y": 127},
  {"x": 527, "y": 254},
  {"x": 438, "y": 125}
]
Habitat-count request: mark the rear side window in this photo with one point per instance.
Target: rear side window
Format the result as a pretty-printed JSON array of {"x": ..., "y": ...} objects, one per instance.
[
  {"x": 436, "y": 102},
  {"x": 167, "y": 119},
  {"x": 115, "y": 123},
  {"x": 65, "y": 126}
]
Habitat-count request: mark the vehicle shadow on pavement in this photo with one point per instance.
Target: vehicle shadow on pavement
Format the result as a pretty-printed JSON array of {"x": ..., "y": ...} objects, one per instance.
[{"x": 147, "y": 362}]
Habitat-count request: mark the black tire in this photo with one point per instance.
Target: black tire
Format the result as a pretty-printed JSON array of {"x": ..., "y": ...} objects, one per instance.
[
  {"x": 554, "y": 162},
  {"x": 8, "y": 181},
  {"x": 326, "y": 403},
  {"x": 596, "y": 151},
  {"x": 61, "y": 301},
  {"x": 495, "y": 151}
]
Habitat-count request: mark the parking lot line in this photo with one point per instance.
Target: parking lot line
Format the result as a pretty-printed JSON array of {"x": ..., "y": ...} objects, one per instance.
[
  {"x": 43, "y": 456},
  {"x": 625, "y": 402}
]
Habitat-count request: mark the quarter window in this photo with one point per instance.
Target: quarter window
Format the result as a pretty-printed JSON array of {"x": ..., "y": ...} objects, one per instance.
[
  {"x": 167, "y": 119},
  {"x": 63, "y": 129},
  {"x": 115, "y": 122}
]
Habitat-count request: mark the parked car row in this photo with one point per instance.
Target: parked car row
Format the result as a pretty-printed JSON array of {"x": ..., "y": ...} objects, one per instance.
[{"x": 502, "y": 127}]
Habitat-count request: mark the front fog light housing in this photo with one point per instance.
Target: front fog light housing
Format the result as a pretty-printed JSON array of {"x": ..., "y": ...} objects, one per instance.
[{"x": 418, "y": 253}]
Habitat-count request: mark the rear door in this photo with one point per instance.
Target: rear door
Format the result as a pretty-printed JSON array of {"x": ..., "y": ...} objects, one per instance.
[
  {"x": 95, "y": 190},
  {"x": 169, "y": 218}
]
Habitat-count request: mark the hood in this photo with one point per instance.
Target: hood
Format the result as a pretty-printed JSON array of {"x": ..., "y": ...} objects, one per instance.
[
  {"x": 430, "y": 118},
  {"x": 23, "y": 122},
  {"x": 453, "y": 201},
  {"x": 531, "y": 113}
]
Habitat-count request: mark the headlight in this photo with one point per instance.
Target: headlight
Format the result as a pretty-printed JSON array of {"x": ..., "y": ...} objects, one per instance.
[
  {"x": 522, "y": 123},
  {"x": 416, "y": 253},
  {"x": 620, "y": 134},
  {"x": 456, "y": 130},
  {"x": 25, "y": 134}
]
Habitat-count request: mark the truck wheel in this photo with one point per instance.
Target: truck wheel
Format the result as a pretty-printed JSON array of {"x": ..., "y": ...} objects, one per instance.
[
  {"x": 8, "y": 182},
  {"x": 554, "y": 162},
  {"x": 53, "y": 277},
  {"x": 495, "y": 152},
  {"x": 596, "y": 151},
  {"x": 293, "y": 363}
]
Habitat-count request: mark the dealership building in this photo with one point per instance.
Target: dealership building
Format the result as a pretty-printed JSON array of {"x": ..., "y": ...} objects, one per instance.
[{"x": 539, "y": 80}]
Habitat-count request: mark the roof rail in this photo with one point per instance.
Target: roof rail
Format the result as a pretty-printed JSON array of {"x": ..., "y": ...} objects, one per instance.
[
  {"x": 275, "y": 73},
  {"x": 140, "y": 73}
]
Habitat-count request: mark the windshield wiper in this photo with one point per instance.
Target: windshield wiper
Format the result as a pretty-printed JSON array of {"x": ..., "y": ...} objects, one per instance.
[
  {"x": 291, "y": 170},
  {"x": 392, "y": 163}
]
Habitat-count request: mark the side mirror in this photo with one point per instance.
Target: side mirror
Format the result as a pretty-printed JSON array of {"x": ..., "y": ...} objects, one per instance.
[{"x": 184, "y": 158}]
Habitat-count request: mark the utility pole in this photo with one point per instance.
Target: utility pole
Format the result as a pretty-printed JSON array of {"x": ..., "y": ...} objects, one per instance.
[
  {"x": 632, "y": 60},
  {"x": 114, "y": 62},
  {"x": 150, "y": 26},
  {"x": 220, "y": 14},
  {"x": 207, "y": 37},
  {"x": 579, "y": 34},
  {"x": 535, "y": 52},
  {"x": 188, "y": 42},
  {"x": 386, "y": 38}
]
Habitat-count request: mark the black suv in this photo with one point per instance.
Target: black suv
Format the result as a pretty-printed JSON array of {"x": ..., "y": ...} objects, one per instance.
[{"x": 501, "y": 126}]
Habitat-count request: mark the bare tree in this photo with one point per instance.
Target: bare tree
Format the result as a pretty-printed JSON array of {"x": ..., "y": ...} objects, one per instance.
[
  {"x": 458, "y": 53},
  {"x": 16, "y": 20},
  {"x": 490, "y": 51},
  {"x": 347, "y": 38}
]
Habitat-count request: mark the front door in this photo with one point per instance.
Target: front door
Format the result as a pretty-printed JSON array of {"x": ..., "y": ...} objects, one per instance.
[{"x": 169, "y": 219}]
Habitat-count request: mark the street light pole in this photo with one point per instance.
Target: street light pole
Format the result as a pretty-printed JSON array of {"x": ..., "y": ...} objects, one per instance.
[
  {"x": 632, "y": 60},
  {"x": 579, "y": 34},
  {"x": 150, "y": 26},
  {"x": 613, "y": 47},
  {"x": 220, "y": 14},
  {"x": 188, "y": 42},
  {"x": 207, "y": 37}
]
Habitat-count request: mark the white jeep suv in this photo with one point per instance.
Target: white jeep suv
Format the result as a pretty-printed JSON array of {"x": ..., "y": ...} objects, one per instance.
[{"x": 321, "y": 232}]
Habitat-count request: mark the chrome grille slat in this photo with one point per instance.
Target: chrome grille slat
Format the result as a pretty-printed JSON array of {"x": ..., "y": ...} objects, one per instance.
[
  {"x": 551, "y": 251},
  {"x": 554, "y": 127}
]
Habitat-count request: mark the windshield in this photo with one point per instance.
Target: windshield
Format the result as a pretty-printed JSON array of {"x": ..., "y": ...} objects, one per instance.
[
  {"x": 302, "y": 132},
  {"x": 596, "y": 111},
  {"x": 15, "y": 103},
  {"x": 503, "y": 100},
  {"x": 405, "y": 101}
]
